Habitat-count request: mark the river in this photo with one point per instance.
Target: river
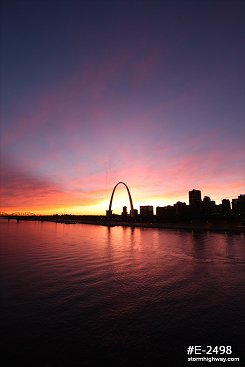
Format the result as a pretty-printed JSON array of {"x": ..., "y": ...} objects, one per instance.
[{"x": 89, "y": 295}]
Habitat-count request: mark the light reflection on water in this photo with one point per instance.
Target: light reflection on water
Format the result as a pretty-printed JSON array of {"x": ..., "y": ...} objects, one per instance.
[{"x": 81, "y": 292}]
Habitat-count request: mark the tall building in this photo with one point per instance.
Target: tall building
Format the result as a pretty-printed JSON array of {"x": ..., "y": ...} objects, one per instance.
[
  {"x": 208, "y": 205},
  {"x": 124, "y": 212},
  {"x": 238, "y": 205},
  {"x": 195, "y": 197},
  {"x": 160, "y": 210},
  {"x": 226, "y": 206},
  {"x": 146, "y": 210},
  {"x": 180, "y": 208},
  {"x": 134, "y": 214}
]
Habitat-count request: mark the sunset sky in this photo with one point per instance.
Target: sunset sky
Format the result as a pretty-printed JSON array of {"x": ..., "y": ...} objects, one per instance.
[{"x": 96, "y": 92}]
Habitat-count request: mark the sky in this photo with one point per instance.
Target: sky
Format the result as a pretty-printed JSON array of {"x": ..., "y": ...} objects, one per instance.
[{"x": 150, "y": 93}]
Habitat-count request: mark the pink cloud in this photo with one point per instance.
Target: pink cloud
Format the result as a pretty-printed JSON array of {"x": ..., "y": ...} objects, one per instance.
[{"x": 23, "y": 189}]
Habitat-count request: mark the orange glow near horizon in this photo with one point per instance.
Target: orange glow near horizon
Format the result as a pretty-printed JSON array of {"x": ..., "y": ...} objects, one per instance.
[
  {"x": 162, "y": 118},
  {"x": 120, "y": 199}
]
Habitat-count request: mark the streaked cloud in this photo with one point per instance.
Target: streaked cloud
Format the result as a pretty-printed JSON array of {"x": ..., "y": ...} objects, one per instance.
[{"x": 157, "y": 103}]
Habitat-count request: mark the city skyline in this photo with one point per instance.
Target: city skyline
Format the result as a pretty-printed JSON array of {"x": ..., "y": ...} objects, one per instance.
[
  {"x": 195, "y": 199},
  {"x": 195, "y": 196},
  {"x": 92, "y": 93}
]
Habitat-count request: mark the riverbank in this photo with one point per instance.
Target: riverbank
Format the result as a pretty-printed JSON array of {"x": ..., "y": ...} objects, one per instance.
[
  {"x": 103, "y": 221},
  {"x": 176, "y": 226}
]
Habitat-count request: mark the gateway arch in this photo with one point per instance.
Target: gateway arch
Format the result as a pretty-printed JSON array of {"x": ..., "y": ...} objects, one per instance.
[{"x": 109, "y": 212}]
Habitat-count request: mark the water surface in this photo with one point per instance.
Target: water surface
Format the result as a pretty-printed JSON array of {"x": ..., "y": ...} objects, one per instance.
[{"x": 75, "y": 294}]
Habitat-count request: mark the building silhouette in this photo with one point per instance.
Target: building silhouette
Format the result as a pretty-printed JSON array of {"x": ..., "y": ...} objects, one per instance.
[
  {"x": 195, "y": 197},
  {"x": 146, "y": 210},
  {"x": 198, "y": 210},
  {"x": 124, "y": 212},
  {"x": 238, "y": 205},
  {"x": 180, "y": 208},
  {"x": 134, "y": 214},
  {"x": 226, "y": 206},
  {"x": 208, "y": 206}
]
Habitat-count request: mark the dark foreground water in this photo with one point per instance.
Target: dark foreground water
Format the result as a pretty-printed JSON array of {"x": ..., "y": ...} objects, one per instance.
[{"x": 85, "y": 295}]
